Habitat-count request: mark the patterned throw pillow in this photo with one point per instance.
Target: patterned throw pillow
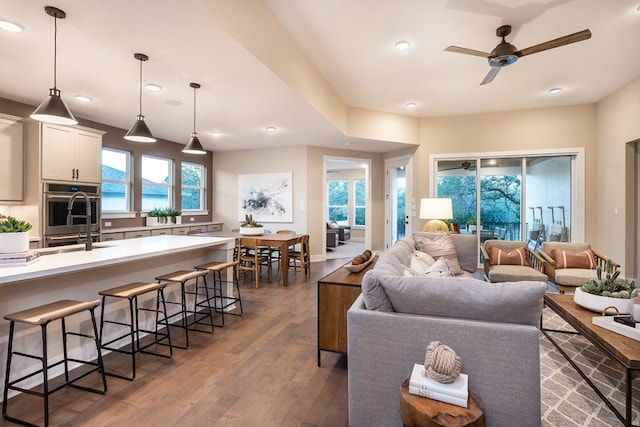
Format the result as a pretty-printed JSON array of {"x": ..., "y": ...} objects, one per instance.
[
  {"x": 440, "y": 245},
  {"x": 439, "y": 269},
  {"x": 516, "y": 257},
  {"x": 585, "y": 259},
  {"x": 421, "y": 261}
]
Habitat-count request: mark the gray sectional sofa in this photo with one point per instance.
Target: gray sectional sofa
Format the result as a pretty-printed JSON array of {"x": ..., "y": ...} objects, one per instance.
[{"x": 493, "y": 327}]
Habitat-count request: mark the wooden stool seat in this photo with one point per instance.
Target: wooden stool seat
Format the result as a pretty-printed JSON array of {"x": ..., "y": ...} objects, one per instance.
[
  {"x": 417, "y": 411},
  {"x": 217, "y": 265},
  {"x": 202, "y": 319},
  {"x": 131, "y": 292},
  {"x": 53, "y": 311},
  {"x": 41, "y": 316}
]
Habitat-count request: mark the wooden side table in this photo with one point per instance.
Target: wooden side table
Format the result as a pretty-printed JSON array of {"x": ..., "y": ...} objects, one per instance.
[{"x": 417, "y": 411}]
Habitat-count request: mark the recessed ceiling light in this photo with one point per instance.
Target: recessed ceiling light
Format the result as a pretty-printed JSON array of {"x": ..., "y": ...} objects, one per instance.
[
  {"x": 10, "y": 26},
  {"x": 173, "y": 103},
  {"x": 402, "y": 45},
  {"x": 83, "y": 98},
  {"x": 153, "y": 87},
  {"x": 271, "y": 129},
  {"x": 216, "y": 133},
  {"x": 555, "y": 90},
  {"x": 410, "y": 105}
]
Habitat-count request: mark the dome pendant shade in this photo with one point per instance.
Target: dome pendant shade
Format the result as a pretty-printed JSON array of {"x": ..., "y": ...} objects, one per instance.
[
  {"x": 194, "y": 146},
  {"x": 54, "y": 110},
  {"x": 139, "y": 132}
]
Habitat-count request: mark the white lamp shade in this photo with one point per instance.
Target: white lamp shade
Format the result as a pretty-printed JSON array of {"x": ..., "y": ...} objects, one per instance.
[{"x": 436, "y": 209}]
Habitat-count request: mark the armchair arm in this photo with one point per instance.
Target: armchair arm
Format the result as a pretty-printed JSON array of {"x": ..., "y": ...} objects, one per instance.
[
  {"x": 549, "y": 266},
  {"x": 537, "y": 261},
  {"x": 601, "y": 260},
  {"x": 487, "y": 261}
]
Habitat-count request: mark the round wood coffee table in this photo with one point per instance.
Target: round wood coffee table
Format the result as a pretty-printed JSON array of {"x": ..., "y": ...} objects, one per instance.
[{"x": 417, "y": 411}]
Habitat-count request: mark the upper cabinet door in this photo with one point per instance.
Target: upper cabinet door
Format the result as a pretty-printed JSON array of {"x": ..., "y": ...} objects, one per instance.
[
  {"x": 11, "y": 159},
  {"x": 71, "y": 154}
]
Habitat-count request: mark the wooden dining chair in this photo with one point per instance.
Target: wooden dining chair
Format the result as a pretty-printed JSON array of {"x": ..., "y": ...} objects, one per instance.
[
  {"x": 276, "y": 251},
  {"x": 301, "y": 259},
  {"x": 250, "y": 258}
]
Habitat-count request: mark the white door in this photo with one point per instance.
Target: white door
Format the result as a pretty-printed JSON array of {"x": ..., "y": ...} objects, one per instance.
[{"x": 399, "y": 206}]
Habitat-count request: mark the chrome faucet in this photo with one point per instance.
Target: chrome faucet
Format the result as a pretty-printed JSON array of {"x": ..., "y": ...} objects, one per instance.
[{"x": 87, "y": 216}]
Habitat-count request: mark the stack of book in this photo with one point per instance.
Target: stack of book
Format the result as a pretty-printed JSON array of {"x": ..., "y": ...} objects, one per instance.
[
  {"x": 456, "y": 393},
  {"x": 19, "y": 259}
]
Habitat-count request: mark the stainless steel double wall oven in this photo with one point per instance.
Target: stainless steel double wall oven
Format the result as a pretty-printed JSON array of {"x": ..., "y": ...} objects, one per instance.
[{"x": 57, "y": 230}]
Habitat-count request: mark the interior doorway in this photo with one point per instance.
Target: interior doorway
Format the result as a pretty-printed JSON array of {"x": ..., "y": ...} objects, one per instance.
[{"x": 399, "y": 203}]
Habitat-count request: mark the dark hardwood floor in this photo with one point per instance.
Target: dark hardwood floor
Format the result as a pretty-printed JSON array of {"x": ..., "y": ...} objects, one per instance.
[{"x": 258, "y": 370}]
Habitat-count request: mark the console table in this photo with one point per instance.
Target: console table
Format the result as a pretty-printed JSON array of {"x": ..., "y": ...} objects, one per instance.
[
  {"x": 624, "y": 350},
  {"x": 336, "y": 293}
]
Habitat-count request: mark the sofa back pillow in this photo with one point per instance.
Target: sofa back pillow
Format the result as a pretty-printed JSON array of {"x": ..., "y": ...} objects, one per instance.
[
  {"x": 373, "y": 295},
  {"x": 439, "y": 245},
  {"x": 585, "y": 259},
  {"x": 518, "y": 256},
  {"x": 465, "y": 298}
]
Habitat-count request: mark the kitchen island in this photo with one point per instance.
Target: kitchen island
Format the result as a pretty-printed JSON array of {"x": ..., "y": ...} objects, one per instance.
[{"x": 70, "y": 272}]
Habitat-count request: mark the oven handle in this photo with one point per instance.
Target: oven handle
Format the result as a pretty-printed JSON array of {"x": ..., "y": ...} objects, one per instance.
[
  {"x": 70, "y": 237},
  {"x": 65, "y": 197}
]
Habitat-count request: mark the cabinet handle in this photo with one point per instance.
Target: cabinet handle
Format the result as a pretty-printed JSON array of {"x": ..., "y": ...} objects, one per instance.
[{"x": 77, "y": 173}]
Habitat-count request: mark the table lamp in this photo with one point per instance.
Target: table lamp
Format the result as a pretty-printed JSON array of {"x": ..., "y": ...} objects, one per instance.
[{"x": 435, "y": 210}]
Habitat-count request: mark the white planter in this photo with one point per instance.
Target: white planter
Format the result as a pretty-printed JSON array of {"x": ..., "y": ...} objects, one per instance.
[
  {"x": 14, "y": 242},
  {"x": 155, "y": 221},
  {"x": 251, "y": 231},
  {"x": 598, "y": 303},
  {"x": 175, "y": 220}
]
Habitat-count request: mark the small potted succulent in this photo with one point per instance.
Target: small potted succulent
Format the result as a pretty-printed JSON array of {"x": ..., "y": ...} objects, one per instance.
[
  {"x": 607, "y": 291},
  {"x": 14, "y": 236},
  {"x": 163, "y": 216},
  {"x": 250, "y": 227}
]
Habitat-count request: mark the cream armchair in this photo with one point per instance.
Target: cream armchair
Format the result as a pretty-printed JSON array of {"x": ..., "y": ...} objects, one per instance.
[
  {"x": 523, "y": 266},
  {"x": 576, "y": 266}
]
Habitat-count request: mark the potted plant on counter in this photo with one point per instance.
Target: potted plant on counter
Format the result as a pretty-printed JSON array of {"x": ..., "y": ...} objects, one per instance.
[
  {"x": 14, "y": 236},
  {"x": 250, "y": 227},
  {"x": 174, "y": 215},
  {"x": 163, "y": 216},
  {"x": 608, "y": 291}
]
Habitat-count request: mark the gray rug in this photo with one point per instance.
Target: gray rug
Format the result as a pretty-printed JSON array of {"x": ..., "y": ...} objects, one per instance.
[{"x": 567, "y": 400}]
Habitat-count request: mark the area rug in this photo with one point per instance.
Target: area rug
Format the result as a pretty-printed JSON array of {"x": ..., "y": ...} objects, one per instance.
[{"x": 567, "y": 400}]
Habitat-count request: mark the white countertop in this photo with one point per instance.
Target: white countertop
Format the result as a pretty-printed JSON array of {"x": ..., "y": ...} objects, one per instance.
[{"x": 103, "y": 254}]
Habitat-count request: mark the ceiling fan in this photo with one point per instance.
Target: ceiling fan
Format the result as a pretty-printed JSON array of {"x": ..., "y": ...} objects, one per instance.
[{"x": 505, "y": 53}]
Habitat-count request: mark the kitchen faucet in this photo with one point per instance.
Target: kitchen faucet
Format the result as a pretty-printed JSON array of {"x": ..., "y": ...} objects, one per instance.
[{"x": 87, "y": 215}]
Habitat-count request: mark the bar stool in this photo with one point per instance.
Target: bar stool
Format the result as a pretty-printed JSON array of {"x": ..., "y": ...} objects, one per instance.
[
  {"x": 225, "y": 301},
  {"x": 42, "y": 316},
  {"x": 182, "y": 277},
  {"x": 131, "y": 292}
]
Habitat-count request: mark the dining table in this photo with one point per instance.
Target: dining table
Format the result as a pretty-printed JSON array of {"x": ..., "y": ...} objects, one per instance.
[{"x": 276, "y": 240}]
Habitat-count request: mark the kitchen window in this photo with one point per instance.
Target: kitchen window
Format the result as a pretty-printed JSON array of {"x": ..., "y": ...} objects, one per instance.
[
  {"x": 193, "y": 187},
  {"x": 116, "y": 181},
  {"x": 360, "y": 202},
  {"x": 157, "y": 182}
]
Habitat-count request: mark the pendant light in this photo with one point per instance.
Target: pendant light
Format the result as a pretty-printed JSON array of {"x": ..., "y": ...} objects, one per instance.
[
  {"x": 140, "y": 132},
  {"x": 53, "y": 109},
  {"x": 194, "y": 146}
]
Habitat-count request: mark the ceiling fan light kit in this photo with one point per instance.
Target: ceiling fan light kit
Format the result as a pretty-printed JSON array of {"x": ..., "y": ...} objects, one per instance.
[
  {"x": 53, "y": 109},
  {"x": 194, "y": 146},
  {"x": 505, "y": 54},
  {"x": 139, "y": 131}
]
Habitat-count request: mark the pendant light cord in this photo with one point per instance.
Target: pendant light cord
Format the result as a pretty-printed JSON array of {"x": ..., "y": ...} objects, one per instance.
[
  {"x": 140, "y": 113},
  {"x": 55, "y": 50},
  {"x": 194, "y": 109}
]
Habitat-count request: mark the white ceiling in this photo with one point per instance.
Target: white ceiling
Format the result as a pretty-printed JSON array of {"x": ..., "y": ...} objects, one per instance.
[{"x": 351, "y": 44}]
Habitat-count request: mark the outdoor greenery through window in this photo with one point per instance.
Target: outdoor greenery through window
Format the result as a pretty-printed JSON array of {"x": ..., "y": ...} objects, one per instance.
[
  {"x": 116, "y": 180},
  {"x": 338, "y": 194},
  {"x": 193, "y": 187},
  {"x": 360, "y": 202},
  {"x": 157, "y": 185}
]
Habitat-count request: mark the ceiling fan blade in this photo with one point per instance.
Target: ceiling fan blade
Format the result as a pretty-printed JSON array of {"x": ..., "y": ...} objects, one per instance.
[
  {"x": 561, "y": 41},
  {"x": 464, "y": 50},
  {"x": 493, "y": 72}
]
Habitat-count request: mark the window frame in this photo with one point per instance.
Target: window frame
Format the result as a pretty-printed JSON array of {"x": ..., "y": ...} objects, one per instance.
[
  {"x": 170, "y": 185},
  {"x": 345, "y": 207},
  {"x": 356, "y": 206},
  {"x": 128, "y": 182},
  {"x": 202, "y": 188}
]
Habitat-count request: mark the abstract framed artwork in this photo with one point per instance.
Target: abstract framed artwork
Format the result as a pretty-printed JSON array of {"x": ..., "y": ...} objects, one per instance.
[{"x": 266, "y": 196}]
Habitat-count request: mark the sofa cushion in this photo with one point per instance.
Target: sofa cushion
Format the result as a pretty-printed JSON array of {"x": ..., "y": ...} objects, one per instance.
[
  {"x": 574, "y": 276},
  {"x": 518, "y": 256},
  {"x": 584, "y": 259},
  {"x": 515, "y": 273},
  {"x": 437, "y": 269},
  {"x": 373, "y": 294},
  {"x": 439, "y": 245},
  {"x": 509, "y": 302}
]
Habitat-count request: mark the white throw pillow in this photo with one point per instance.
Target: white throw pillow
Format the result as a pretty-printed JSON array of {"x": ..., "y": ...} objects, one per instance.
[
  {"x": 440, "y": 268},
  {"x": 421, "y": 261}
]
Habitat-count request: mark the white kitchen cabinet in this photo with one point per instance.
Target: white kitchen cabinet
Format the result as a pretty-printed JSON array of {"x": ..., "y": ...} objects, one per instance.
[
  {"x": 161, "y": 232},
  {"x": 214, "y": 227},
  {"x": 181, "y": 231},
  {"x": 11, "y": 159},
  {"x": 71, "y": 153}
]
